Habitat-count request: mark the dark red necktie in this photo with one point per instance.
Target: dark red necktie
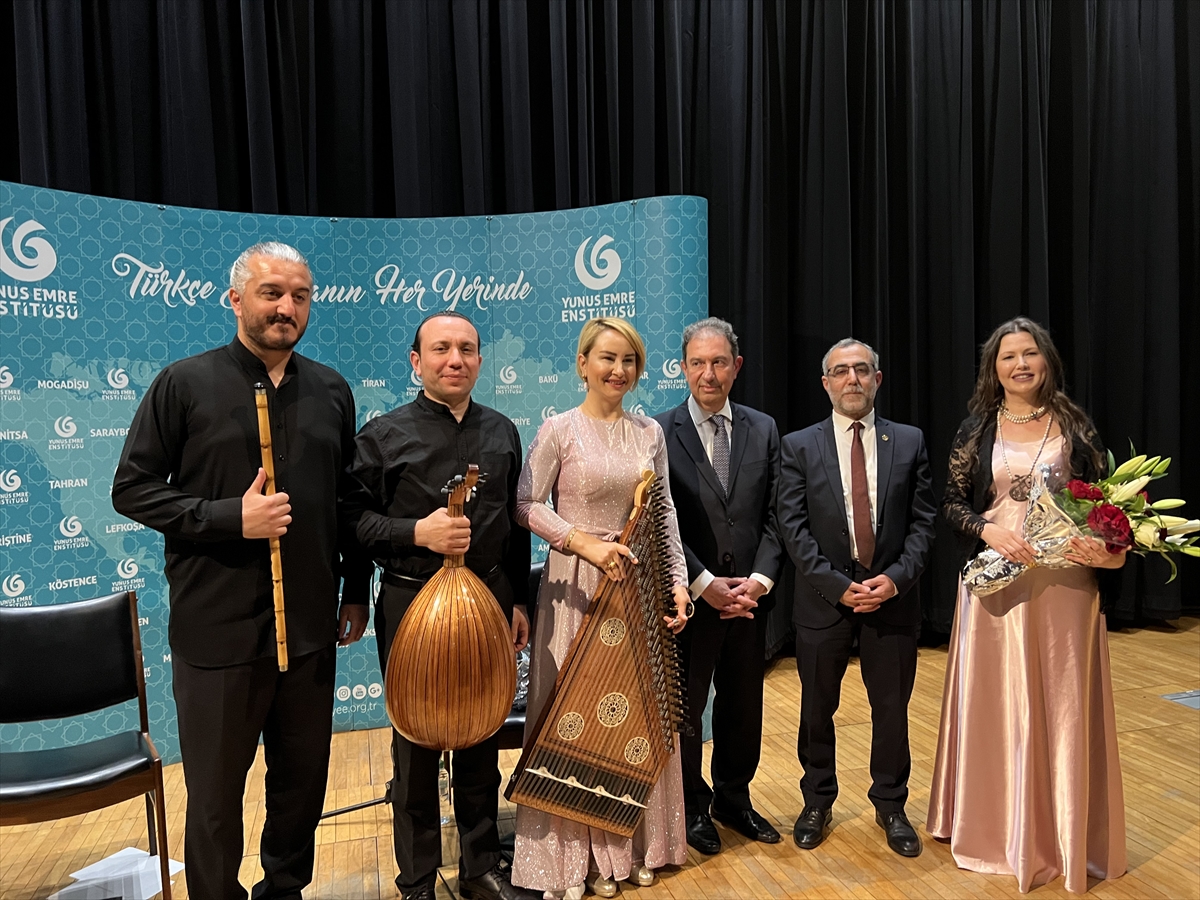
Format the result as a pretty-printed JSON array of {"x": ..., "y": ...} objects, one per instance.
[{"x": 864, "y": 536}]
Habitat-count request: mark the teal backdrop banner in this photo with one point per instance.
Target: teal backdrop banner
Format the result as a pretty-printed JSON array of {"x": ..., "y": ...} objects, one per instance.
[{"x": 97, "y": 295}]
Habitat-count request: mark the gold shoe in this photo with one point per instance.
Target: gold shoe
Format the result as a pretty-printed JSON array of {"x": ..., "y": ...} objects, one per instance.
[
  {"x": 642, "y": 876},
  {"x": 601, "y": 886}
]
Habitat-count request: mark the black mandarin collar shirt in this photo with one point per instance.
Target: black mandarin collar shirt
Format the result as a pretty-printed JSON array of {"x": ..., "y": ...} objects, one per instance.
[
  {"x": 193, "y": 451},
  {"x": 404, "y": 458}
]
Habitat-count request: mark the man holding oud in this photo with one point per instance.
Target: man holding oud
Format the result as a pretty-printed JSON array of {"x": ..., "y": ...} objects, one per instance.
[
  {"x": 191, "y": 469},
  {"x": 402, "y": 460},
  {"x": 856, "y": 514},
  {"x": 724, "y": 464}
]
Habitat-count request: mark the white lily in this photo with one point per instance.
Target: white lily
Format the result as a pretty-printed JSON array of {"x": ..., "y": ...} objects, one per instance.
[
  {"x": 1168, "y": 522},
  {"x": 1129, "y": 490},
  {"x": 1186, "y": 527},
  {"x": 1128, "y": 467},
  {"x": 1146, "y": 534},
  {"x": 1167, "y": 503}
]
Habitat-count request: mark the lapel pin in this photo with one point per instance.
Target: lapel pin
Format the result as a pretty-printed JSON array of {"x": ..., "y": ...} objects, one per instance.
[{"x": 883, "y": 437}]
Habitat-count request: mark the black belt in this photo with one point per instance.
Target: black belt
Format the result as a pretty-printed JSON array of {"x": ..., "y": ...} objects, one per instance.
[{"x": 395, "y": 579}]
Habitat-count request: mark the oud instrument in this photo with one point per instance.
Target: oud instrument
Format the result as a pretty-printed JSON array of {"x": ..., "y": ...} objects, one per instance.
[
  {"x": 451, "y": 672},
  {"x": 607, "y": 731},
  {"x": 268, "y": 464}
]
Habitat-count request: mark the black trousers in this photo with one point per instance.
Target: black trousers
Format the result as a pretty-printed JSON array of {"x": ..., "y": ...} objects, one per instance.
[
  {"x": 475, "y": 779},
  {"x": 221, "y": 714},
  {"x": 888, "y": 657},
  {"x": 729, "y": 654}
]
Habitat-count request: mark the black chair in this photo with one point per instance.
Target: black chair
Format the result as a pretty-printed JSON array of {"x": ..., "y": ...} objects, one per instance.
[
  {"x": 67, "y": 660},
  {"x": 512, "y": 732}
]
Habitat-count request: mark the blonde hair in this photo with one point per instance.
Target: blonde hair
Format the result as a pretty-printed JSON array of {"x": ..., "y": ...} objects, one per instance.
[{"x": 592, "y": 330}]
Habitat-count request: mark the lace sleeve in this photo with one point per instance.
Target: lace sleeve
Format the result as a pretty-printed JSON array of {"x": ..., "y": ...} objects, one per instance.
[{"x": 956, "y": 501}]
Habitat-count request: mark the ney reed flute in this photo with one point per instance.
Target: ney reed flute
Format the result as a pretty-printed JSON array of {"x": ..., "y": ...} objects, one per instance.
[{"x": 268, "y": 464}]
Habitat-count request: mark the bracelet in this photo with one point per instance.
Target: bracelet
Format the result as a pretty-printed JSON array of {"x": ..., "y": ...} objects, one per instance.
[
  {"x": 690, "y": 609},
  {"x": 570, "y": 537}
]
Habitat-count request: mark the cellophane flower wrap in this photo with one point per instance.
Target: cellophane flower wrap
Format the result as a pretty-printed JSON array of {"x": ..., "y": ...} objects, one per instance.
[{"x": 1116, "y": 509}]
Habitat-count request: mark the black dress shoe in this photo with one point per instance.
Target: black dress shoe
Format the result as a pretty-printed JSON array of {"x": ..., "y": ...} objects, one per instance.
[
  {"x": 901, "y": 836},
  {"x": 702, "y": 834},
  {"x": 749, "y": 823},
  {"x": 494, "y": 885},
  {"x": 424, "y": 892},
  {"x": 812, "y": 827}
]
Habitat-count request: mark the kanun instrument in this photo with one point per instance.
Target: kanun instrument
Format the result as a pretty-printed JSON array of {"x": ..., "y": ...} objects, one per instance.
[
  {"x": 607, "y": 731},
  {"x": 452, "y": 672},
  {"x": 268, "y": 464}
]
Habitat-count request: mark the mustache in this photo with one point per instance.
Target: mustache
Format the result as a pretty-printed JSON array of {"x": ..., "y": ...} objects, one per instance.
[{"x": 281, "y": 320}]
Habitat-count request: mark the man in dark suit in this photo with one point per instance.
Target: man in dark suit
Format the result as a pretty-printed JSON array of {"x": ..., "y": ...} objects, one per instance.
[
  {"x": 724, "y": 462},
  {"x": 856, "y": 514}
]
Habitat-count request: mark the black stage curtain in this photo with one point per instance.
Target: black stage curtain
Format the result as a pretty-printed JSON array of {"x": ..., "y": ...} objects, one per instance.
[{"x": 911, "y": 173}]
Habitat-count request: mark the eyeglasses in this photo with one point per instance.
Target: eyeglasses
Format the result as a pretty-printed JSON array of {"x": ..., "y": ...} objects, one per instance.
[{"x": 861, "y": 370}]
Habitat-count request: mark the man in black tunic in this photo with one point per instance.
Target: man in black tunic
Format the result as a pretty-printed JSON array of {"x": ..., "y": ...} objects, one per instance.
[
  {"x": 401, "y": 462},
  {"x": 191, "y": 470}
]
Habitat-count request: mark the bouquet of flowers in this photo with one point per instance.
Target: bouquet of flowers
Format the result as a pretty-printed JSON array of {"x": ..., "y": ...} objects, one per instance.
[{"x": 1116, "y": 509}]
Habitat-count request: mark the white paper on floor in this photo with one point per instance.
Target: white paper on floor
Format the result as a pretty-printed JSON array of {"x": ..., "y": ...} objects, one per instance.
[{"x": 130, "y": 874}]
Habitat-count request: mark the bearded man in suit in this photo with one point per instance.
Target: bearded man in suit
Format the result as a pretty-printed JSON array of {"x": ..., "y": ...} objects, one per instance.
[
  {"x": 856, "y": 514},
  {"x": 724, "y": 463}
]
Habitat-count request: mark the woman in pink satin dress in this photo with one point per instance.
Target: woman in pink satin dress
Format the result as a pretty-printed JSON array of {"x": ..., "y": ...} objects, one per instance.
[
  {"x": 589, "y": 460},
  {"x": 1027, "y": 780}
]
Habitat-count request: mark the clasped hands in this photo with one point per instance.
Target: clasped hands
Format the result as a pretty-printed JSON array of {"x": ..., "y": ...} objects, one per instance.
[
  {"x": 734, "y": 598},
  {"x": 867, "y": 595}
]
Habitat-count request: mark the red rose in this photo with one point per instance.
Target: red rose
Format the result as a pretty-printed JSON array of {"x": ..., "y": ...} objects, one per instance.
[
  {"x": 1109, "y": 524},
  {"x": 1081, "y": 490}
]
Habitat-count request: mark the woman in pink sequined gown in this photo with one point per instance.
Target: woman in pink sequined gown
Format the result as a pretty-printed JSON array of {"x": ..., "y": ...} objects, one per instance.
[
  {"x": 1027, "y": 780},
  {"x": 588, "y": 461}
]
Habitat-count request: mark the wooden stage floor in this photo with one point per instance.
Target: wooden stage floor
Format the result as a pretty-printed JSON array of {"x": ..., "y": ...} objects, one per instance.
[{"x": 1160, "y": 758}]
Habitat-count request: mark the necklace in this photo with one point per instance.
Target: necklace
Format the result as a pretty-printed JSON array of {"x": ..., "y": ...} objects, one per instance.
[
  {"x": 1021, "y": 420},
  {"x": 1022, "y": 484}
]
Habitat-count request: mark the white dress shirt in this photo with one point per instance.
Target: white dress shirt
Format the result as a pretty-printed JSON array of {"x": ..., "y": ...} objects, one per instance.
[
  {"x": 707, "y": 432},
  {"x": 844, "y": 434}
]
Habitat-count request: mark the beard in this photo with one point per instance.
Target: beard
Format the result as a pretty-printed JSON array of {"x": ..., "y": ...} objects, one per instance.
[
  {"x": 851, "y": 402},
  {"x": 259, "y": 331}
]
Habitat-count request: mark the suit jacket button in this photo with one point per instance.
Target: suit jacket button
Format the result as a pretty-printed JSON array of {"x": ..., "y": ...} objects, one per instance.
[
  {"x": 844, "y": 532},
  {"x": 729, "y": 521},
  {"x": 728, "y": 557}
]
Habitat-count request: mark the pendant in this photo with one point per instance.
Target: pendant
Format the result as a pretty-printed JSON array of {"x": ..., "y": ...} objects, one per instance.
[{"x": 1021, "y": 487}]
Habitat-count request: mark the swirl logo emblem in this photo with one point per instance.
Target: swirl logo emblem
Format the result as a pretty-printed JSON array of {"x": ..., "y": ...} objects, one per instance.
[
  {"x": 374, "y": 414},
  {"x": 508, "y": 374},
  {"x": 547, "y": 412},
  {"x": 10, "y": 481},
  {"x": 65, "y": 426},
  {"x": 25, "y": 267},
  {"x": 671, "y": 369},
  {"x": 638, "y": 410},
  {"x": 127, "y": 568},
  {"x": 117, "y": 379},
  {"x": 415, "y": 378},
  {"x": 6, "y": 377},
  {"x": 70, "y": 526},
  {"x": 605, "y": 264},
  {"x": 13, "y": 586}
]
